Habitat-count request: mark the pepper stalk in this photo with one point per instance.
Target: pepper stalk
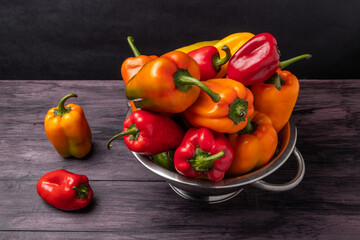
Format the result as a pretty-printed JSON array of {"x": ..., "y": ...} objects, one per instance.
[
  {"x": 61, "y": 106},
  {"x": 275, "y": 79}
]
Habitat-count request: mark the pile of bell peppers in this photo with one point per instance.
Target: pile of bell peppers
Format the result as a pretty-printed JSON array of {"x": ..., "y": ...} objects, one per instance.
[{"x": 212, "y": 109}]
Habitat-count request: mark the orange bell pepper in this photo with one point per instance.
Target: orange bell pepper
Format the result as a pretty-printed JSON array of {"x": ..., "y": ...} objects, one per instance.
[
  {"x": 68, "y": 130},
  {"x": 230, "y": 114},
  {"x": 277, "y": 96},
  {"x": 234, "y": 42},
  {"x": 254, "y": 146},
  {"x": 132, "y": 65},
  {"x": 166, "y": 84}
]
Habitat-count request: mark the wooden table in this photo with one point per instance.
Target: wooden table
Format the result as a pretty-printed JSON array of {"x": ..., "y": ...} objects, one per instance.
[{"x": 133, "y": 203}]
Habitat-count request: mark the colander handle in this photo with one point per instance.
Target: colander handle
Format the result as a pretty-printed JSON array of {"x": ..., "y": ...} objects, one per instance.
[{"x": 289, "y": 185}]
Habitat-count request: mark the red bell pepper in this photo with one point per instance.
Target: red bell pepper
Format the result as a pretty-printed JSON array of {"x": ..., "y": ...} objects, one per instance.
[
  {"x": 256, "y": 61},
  {"x": 65, "y": 190},
  {"x": 149, "y": 133},
  {"x": 208, "y": 59},
  {"x": 203, "y": 153}
]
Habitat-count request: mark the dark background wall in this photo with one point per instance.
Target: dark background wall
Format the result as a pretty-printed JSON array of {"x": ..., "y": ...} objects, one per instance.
[{"x": 86, "y": 39}]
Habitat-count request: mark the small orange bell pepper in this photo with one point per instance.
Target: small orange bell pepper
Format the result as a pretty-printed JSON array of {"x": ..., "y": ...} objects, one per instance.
[
  {"x": 277, "y": 96},
  {"x": 234, "y": 42},
  {"x": 166, "y": 84},
  {"x": 254, "y": 146},
  {"x": 230, "y": 114},
  {"x": 68, "y": 130},
  {"x": 132, "y": 65}
]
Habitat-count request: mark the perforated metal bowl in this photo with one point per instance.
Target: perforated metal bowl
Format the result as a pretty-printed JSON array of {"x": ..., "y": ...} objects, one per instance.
[{"x": 214, "y": 192}]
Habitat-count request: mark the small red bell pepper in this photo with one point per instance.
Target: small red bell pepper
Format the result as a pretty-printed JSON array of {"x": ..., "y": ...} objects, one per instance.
[
  {"x": 149, "y": 133},
  {"x": 256, "y": 61},
  {"x": 208, "y": 59},
  {"x": 65, "y": 190},
  {"x": 203, "y": 153}
]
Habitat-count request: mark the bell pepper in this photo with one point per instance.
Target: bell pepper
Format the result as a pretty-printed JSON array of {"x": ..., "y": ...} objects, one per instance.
[
  {"x": 149, "y": 133},
  {"x": 234, "y": 42},
  {"x": 65, "y": 190},
  {"x": 209, "y": 61},
  {"x": 256, "y": 61},
  {"x": 68, "y": 130},
  {"x": 165, "y": 159},
  {"x": 203, "y": 153},
  {"x": 195, "y": 46},
  {"x": 230, "y": 114},
  {"x": 166, "y": 84},
  {"x": 132, "y": 65},
  {"x": 253, "y": 146},
  {"x": 276, "y": 97}
]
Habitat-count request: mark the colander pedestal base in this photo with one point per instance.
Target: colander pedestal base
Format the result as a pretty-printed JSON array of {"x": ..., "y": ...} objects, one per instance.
[{"x": 204, "y": 198}]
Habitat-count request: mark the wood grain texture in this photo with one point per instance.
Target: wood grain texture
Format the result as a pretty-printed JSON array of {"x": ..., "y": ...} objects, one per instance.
[
  {"x": 24, "y": 105},
  {"x": 133, "y": 203}
]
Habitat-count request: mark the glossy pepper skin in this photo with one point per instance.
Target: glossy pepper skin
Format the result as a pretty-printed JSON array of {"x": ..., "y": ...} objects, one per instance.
[
  {"x": 149, "y": 133},
  {"x": 203, "y": 153},
  {"x": 277, "y": 96},
  {"x": 197, "y": 45},
  {"x": 65, "y": 190},
  {"x": 132, "y": 65},
  {"x": 234, "y": 42},
  {"x": 209, "y": 61},
  {"x": 256, "y": 61},
  {"x": 68, "y": 130},
  {"x": 167, "y": 84},
  {"x": 165, "y": 160},
  {"x": 254, "y": 146},
  {"x": 230, "y": 114}
]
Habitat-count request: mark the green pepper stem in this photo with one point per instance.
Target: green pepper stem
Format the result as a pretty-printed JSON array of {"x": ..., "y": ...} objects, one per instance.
[
  {"x": 183, "y": 78},
  {"x": 130, "y": 131},
  {"x": 250, "y": 127},
  {"x": 82, "y": 191},
  {"x": 61, "y": 107},
  {"x": 238, "y": 110},
  {"x": 218, "y": 62},
  {"x": 203, "y": 161},
  {"x": 276, "y": 80},
  {"x": 130, "y": 40},
  {"x": 214, "y": 157},
  {"x": 284, "y": 64}
]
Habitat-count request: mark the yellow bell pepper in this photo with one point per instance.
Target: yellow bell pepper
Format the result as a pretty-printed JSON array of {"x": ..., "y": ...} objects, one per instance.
[
  {"x": 234, "y": 42},
  {"x": 68, "y": 130},
  {"x": 195, "y": 46}
]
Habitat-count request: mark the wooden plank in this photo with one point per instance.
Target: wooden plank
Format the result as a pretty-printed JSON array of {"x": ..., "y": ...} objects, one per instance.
[
  {"x": 151, "y": 210},
  {"x": 26, "y": 152},
  {"x": 132, "y": 202},
  {"x": 327, "y": 116},
  {"x": 328, "y": 106}
]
